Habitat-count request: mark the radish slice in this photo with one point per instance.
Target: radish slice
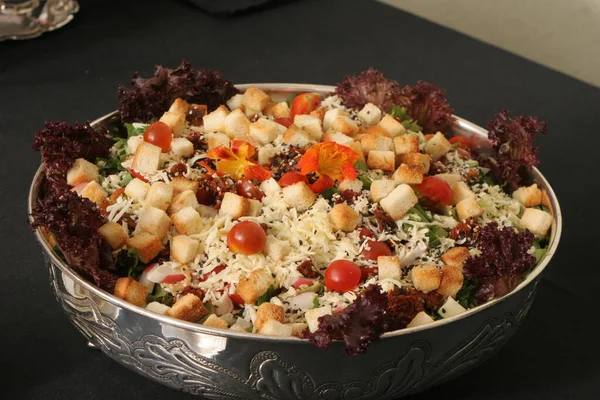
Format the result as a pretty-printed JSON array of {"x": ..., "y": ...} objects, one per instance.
[
  {"x": 160, "y": 272},
  {"x": 79, "y": 187},
  {"x": 173, "y": 278},
  {"x": 223, "y": 306},
  {"x": 302, "y": 281},
  {"x": 144, "y": 277},
  {"x": 303, "y": 301}
]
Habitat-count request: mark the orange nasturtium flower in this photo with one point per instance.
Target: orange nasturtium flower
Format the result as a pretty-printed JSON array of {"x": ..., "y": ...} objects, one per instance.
[
  {"x": 237, "y": 162},
  {"x": 330, "y": 161}
]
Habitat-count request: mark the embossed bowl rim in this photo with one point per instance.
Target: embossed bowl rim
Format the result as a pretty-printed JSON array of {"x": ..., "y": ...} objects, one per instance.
[{"x": 463, "y": 127}]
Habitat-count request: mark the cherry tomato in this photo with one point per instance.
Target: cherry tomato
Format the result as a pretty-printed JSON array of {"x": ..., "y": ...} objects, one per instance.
[
  {"x": 249, "y": 190},
  {"x": 287, "y": 122},
  {"x": 322, "y": 183},
  {"x": 173, "y": 278},
  {"x": 159, "y": 135},
  {"x": 435, "y": 189},
  {"x": 289, "y": 178},
  {"x": 247, "y": 238},
  {"x": 463, "y": 142},
  {"x": 304, "y": 103},
  {"x": 205, "y": 197},
  {"x": 365, "y": 233},
  {"x": 365, "y": 272},
  {"x": 342, "y": 276},
  {"x": 236, "y": 299},
  {"x": 375, "y": 250}
]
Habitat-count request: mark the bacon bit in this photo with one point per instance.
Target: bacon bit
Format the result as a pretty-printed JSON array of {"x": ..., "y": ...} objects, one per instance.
[
  {"x": 236, "y": 161},
  {"x": 285, "y": 161},
  {"x": 208, "y": 168},
  {"x": 384, "y": 221},
  {"x": 198, "y": 140},
  {"x": 254, "y": 118},
  {"x": 467, "y": 231},
  {"x": 195, "y": 114},
  {"x": 347, "y": 196},
  {"x": 306, "y": 268},
  {"x": 178, "y": 169},
  {"x": 264, "y": 226},
  {"x": 197, "y": 291},
  {"x": 330, "y": 159}
]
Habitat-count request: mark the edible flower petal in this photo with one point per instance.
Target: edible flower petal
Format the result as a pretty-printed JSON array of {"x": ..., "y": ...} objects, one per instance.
[
  {"x": 330, "y": 159},
  {"x": 236, "y": 161}
]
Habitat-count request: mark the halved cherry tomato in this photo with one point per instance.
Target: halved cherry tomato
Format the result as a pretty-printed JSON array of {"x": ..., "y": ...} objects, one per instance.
[
  {"x": 304, "y": 103},
  {"x": 366, "y": 271},
  {"x": 249, "y": 190},
  {"x": 287, "y": 122},
  {"x": 342, "y": 276},
  {"x": 136, "y": 174},
  {"x": 159, "y": 135},
  {"x": 435, "y": 189},
  {"x": 375, "y": 249},
  {"x": 289, "y": 178},
  {"x": 322, "y": 183},
  {"x": 463, "y": 142},
  {"x": 173, "y": 278},
  {"x": 236, "y": 299},
  {"x": 247, "y": 238},
  {"x": 303, "y": 281}
]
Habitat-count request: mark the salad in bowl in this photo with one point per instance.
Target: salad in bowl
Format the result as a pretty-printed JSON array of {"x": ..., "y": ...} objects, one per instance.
[{"x": 316, "y": 216}]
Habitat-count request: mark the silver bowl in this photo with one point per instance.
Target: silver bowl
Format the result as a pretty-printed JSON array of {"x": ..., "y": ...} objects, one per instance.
[{"x": 221, "y": 364}]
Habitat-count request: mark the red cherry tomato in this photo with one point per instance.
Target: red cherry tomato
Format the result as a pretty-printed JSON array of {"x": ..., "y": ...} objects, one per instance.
[
  {"x": 289, "y": 178},
  {"x": 375, "y": 250},
  {"x": 435, "y": 189},
  {"x": 342, "y": 276},
  {"x": 366, "y": 272},
  {"x": 304, "y": 103},
  {"x": 205, "y": 197},
  {"x": 287, "y": 122},
  {"x": 236, "y": 299},
  {"x": 463, "y": 142},
  {"x": 173, "y": 278},
  {"x": 365, "y": 233},
  {"x": 246, "y": 188},
  {"x": 247, "y": 238},
  {"x": 322, "y": 183},
  {"x": 159, "y": 135}
]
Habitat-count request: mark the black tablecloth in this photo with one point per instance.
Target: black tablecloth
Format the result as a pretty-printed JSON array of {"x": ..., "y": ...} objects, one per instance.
[{"x": 72, "y": 74}]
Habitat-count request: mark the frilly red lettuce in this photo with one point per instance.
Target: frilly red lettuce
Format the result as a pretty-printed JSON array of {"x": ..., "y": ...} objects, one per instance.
[
  {"x": 371, "y": 86},
  {"x": 427, "y": 104},
  {"x": 148, "y": 98}
]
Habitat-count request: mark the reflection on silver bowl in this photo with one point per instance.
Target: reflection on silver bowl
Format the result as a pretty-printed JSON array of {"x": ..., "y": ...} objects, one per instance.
[{"x": 220, "y": 364}]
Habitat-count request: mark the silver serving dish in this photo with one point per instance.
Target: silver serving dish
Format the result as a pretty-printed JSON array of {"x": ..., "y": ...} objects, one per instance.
[{"x": 221, "y": 364}]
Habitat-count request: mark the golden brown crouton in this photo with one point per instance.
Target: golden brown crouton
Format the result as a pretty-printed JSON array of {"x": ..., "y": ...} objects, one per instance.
[
  {"x": 216, "y": 139},
  {"x": 536, "y": 221},
  {"x": 276, "y": 328},
  {"x": 410, "y": 175},
  {"x": 405, "y": 144},
  {"x": 370, "y": 114},
  {"x": 357, "y": 147},
  {"x": 343, "y": 218},
  {"x": 277, "y": 110},
  {"x": 255, "y": 99},
  {"x": 388, "y": 267},
  {"x": 235, "y": 125},
  {"x": 187, "y": 198},
  {"x": 179, "y": 106},
  {"x": 399, "y": 201},
  {"x": 215, "y": 322},
  {"x": 254, "y": 285},
  {"x": 426, "y": 277},
  {"x": 175, "y": 122},
  {"x": 344, "y": 125},
  {"x": 338, "y": 137},
  {"x": 234, "y": 205},
  {"x": 155, "y": 221},
  {"x": 296, "y": 136},
  {"x": 113, "y": 234},
  {"x": 82, "y": 171},
  {"x": 147, "y": 245},
  {"x": 188, "y": 308},
  {"x": 184, "y": 249},
  {"x": 528, "y": 196},
  {"x": 94, "y": 192},
  {"x": 452, "y": 280},
  {"x": 370, "y": 142},
  {"x": 380, "y": 188},
  {"x": 424, "y": 160},
  {"x": 266, "y": 312},
  {"x": 391, "y": 125},
  {"x": 383, "y": 160},
  {"x": 456, "y": 256},
  {"x": 468, "y": 208},
  {"x": 437, "y": 146},
  {"x": 461, "y": 191},
  {"x": 318, "y": 113},
  {"x": 146, "y": 159},
  {"x": 131, "y": 291},
  {"x": 181, "y": 184},
  {"x": 299, "y": 196},
  {"x": 187, "y": 221},
  {"x": 159, "y": 195}
]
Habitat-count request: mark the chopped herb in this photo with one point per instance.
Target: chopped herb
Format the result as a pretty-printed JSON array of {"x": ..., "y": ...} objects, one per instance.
[
  {"x": 402, "y": 114},
  {"x": 160, "y": 295},
  {"x": 419, "y": 211},
  {"x": 126, "y": 179},
  {"x": 366, "y": 181},
  {"x": 466, "y": 295},
  {"x": 434, "y": 234},
  {"x": 328, "y": 193},
  {"x": 133, "y": 131},
  {"x": 361, "y": 165},
  {"x": 271, "y": 291},
  {"x": 316, "y": 302}
]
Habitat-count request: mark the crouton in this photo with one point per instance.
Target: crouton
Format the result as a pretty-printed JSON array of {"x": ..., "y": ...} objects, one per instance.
[
  {"x": 405, "y": 145},
  {"x": 529, "y": 196},
  {"x": 82, "y": 171},
  {"x": 254, "y": 285},
  {"x": 276, "y": 249},
  {"x": 381, "y": 188},
  {"x": 136, "y": 189},
  {"x": 312, "y": 317},
  {"x": 468, "y": 208},
  {"x": 146, "y": 159},
  {"x": 354, "y": 185},
  {"x": 278, "y": 110},
  {"x": 422, "y": 318},
  {"x": 184, "y": 249},
  {"x": 275, "y": 328},
  {"x": 423, "y": 160},
  {"x": 391, "y": 125},
  {"x": 187, "y": 221},
  {"x": 255, "y": 100},
  {"x": 254, "y": 208},
  {"x": 461, "y": 191},
  {"x": 147, "y": 245},
  {"x": 452, "y": 280},
  {"x": 546, "y": 199},
  {"x": 456, "y": 256},
  {"x": 344, "y": 218},
  {"x": 318, "y": 113},
  {"x": 215, "y": 121},
  {"x": 181, "y": 147},
  {"x": 94, "y": 192},
  {"x": 370, "y": 114},
  {"x": 235, "y": 101},
  {"x": 332, "y": 115},
  {"x": 377, "y": 131},
  {"x": 206, "y": 211},
  {"x": 312, "y": 125},
  {"x": 188, "y": 308},
  {"x": 113, "y": 234},
  {"x": 399, "y": 201},
  {"x": 338, "y": 137},
  {"x": 181, "y": 184},
  {"x": 157, "y": 307},
  {"x": 426, "y": 277},
  {"x": 411, "y": 175},
  {"x": 216, "y": 139},
  {"x": 536, "y": 221},
  {"x": 187, "y": 198},
  {"x": 298, "y": 328},
  {"x": 179, "y": 106},
  {"x": 159, "y": 195},
  {"x": 357, "y": 147},
  {"x": 450, "y": 179},
  {"x": 296, "y": 136},
  {"x": 155, "y": 221},
  {"x": 266, "y": 312},
  {"x": 133, "y": 142},
  {"x": 383, "y": 160},
  {"x": 299, "y": 196},
  {"x": 131, "y": 291},
  {"x": 370, "y": 142},
  {"x": 450, "y": 308},
  {"x": 264, "y": 131},
  {"x": 388, "y": 267},
  {"x": 266, "y": 152},
  {"x": 270, "y": 186},
  {"x": 344, "y": 125},
  {"x": 175, "y": 122},
  {"x": 233, "y": 205},
  {"x": 236, "y": 124},
  {"x": 437, "y": 146},
  {"x": 215, "y": 322}
]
